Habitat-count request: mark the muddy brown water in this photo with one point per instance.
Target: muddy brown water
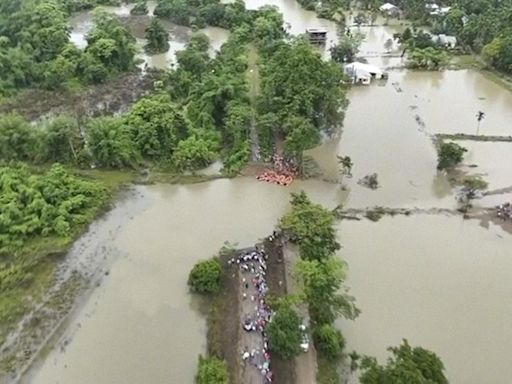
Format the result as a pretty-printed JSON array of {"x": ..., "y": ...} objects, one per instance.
[{"x": 436, "y": 280}]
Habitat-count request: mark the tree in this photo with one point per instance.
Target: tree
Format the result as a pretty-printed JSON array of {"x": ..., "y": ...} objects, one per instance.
[
  {"x": 156, "y": 125},
  {"x": 157, "y": 38},
  {"x": 312, "y": 227},
  {"x": 328, "y": 340},
  {"x": 449, "y": 155},
  {"x": 471, "y": 187},
  {"x": 406, "y": 366},
  {"x": 300, "y": 136},
  {"x": 110, "y": 144},
  {"x": 205, "y": 276},
  {"x": 110, "y": 43},
  {"x": 428, "y": 58},
  {"x": 284, "y": 334},
  {"x": 296, "y": 82},
  {"x": 60, "y": 141},
  {"x": 346, "y": 48},
  {"x": 140, "y": 8},
  {"x": 479, "y": 117},
  {"x": 346, "y": 165},
  {"x": 211, "y": 371},
  {"x": 17, "y": 139},
  {"x": 193, "y": 153},
  {"x": 321, "y": 282}
]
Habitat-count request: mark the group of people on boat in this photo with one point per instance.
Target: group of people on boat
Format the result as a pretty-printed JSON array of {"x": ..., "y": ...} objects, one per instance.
[{"x": 253, "y": 266}]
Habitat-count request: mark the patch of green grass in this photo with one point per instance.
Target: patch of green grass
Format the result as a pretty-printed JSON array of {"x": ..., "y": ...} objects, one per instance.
[{"x": 328, "y": 372}]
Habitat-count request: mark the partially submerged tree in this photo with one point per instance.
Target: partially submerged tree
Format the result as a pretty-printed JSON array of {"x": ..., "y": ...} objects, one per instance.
[
  {"x": 472, "y": 186},
  {"x": 140, "y": 8},
  {"x": 312, "y": 227},
  {"x": 157, "y": 38},
  {"x": 205, "y": 276},
  {"x": 407, "y": 365},
  {"x": 449, "y": 155}
]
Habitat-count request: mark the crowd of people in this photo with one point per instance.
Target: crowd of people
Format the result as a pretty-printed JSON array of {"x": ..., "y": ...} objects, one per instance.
[
  {"x": 504, "y": 211},
  {"x": 284, "y": 169},
  {"x": 253, "y": 267}
]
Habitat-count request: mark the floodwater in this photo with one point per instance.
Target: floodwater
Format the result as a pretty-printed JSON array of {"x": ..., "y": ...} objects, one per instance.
[
  {"x": 438, "y": 281},
  {"x": 141, "y": 325},
  {"x": 81, "y": 23}
]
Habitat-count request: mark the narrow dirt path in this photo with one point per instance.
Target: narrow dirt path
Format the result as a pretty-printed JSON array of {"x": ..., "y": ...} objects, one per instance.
[{"x": 253, "y": 77}]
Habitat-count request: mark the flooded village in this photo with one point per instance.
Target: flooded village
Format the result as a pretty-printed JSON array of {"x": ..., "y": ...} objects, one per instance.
[{"x": 423, "y": 264}]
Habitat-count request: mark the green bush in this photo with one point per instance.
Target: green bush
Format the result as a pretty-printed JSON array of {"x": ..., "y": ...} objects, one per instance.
[
  {"x": 283, "y": 332},
  {"x": 212, "y": 371},
  {"x": 328, "y": 340},
  {"x": 449, "y": 155},
  {"x": 205, "y": 276}
]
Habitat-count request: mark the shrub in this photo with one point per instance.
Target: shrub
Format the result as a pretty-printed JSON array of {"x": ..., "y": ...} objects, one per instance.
[
  {"x": 328, "y": 340},
  {"x": 212, "y": 371},
  {"x": 205, "y": 276},
  {"x": 283, "y": 332},
  {"x": 449, "y": 155}
]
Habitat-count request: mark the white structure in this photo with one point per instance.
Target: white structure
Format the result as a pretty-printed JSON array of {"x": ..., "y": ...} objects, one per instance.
[
  {"x": 390, "y": 9},
  {"x": 436, "y": 10},
  {"x": 362, "y": 73},
  {"x": 445, "y": 40}
]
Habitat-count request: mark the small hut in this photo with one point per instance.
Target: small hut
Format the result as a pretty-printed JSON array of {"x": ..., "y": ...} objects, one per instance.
[{"x": 317, "y": 36}]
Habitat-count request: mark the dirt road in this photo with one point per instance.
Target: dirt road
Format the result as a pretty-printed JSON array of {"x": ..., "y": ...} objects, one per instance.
[{"x": 305, "y": 363}]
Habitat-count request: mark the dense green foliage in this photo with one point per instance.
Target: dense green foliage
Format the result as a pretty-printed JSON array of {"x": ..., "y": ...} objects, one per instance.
[
  {"x": 205, "y": 276},
  {"x": 140, "y": 8},
  {"x": 157, "y": 38},
  {"x": 328, "y": 340},
  {"x": 322, "y": 288},
  {"x": 482, "y": 26},
  {"x": 35, "y": 50},
  {"x": 406, "y": 366},
  {"x": 54, "y": 203},
  {"x": 449, "y": 155},
  {"x": 301, "y": 92},
  {"x": 283, "y": 331},
  {"x": 110, "y": 144},
  {"x": 193, "y": 153},
  {"x": 427, "y": 58},
  {"x": 212, "y": 371},
  {"x": 312, "y": 227}
]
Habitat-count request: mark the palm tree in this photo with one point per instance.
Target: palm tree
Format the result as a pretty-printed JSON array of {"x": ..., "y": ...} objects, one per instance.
[{"x": 479, "y": 117}]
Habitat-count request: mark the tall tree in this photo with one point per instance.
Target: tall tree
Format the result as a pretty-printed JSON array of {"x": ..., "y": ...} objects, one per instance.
[{"x": 157, "y": 38}]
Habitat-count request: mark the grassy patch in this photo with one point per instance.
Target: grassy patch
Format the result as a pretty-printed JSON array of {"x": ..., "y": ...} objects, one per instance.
[
  {"x": 328, "y": 372},
  {"x": 375, "y": 214}
]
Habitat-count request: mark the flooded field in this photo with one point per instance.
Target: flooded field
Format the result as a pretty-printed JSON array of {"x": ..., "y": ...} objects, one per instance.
[{"x": 439, "y": 281}]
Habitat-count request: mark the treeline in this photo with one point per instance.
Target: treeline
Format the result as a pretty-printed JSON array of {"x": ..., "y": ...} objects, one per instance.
[
  {"x": 320, "y": 276},
  {"x": 40, "y": 213},
  {"x": 35, "y": 50},
  {"x": 482, "y": 26}
]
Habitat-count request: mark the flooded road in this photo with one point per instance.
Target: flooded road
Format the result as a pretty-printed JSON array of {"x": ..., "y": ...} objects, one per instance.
[{"x": 440, "y": 282}]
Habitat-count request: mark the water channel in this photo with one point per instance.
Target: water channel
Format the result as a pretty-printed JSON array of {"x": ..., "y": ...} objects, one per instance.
[{"x": 438, "y": 281}]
